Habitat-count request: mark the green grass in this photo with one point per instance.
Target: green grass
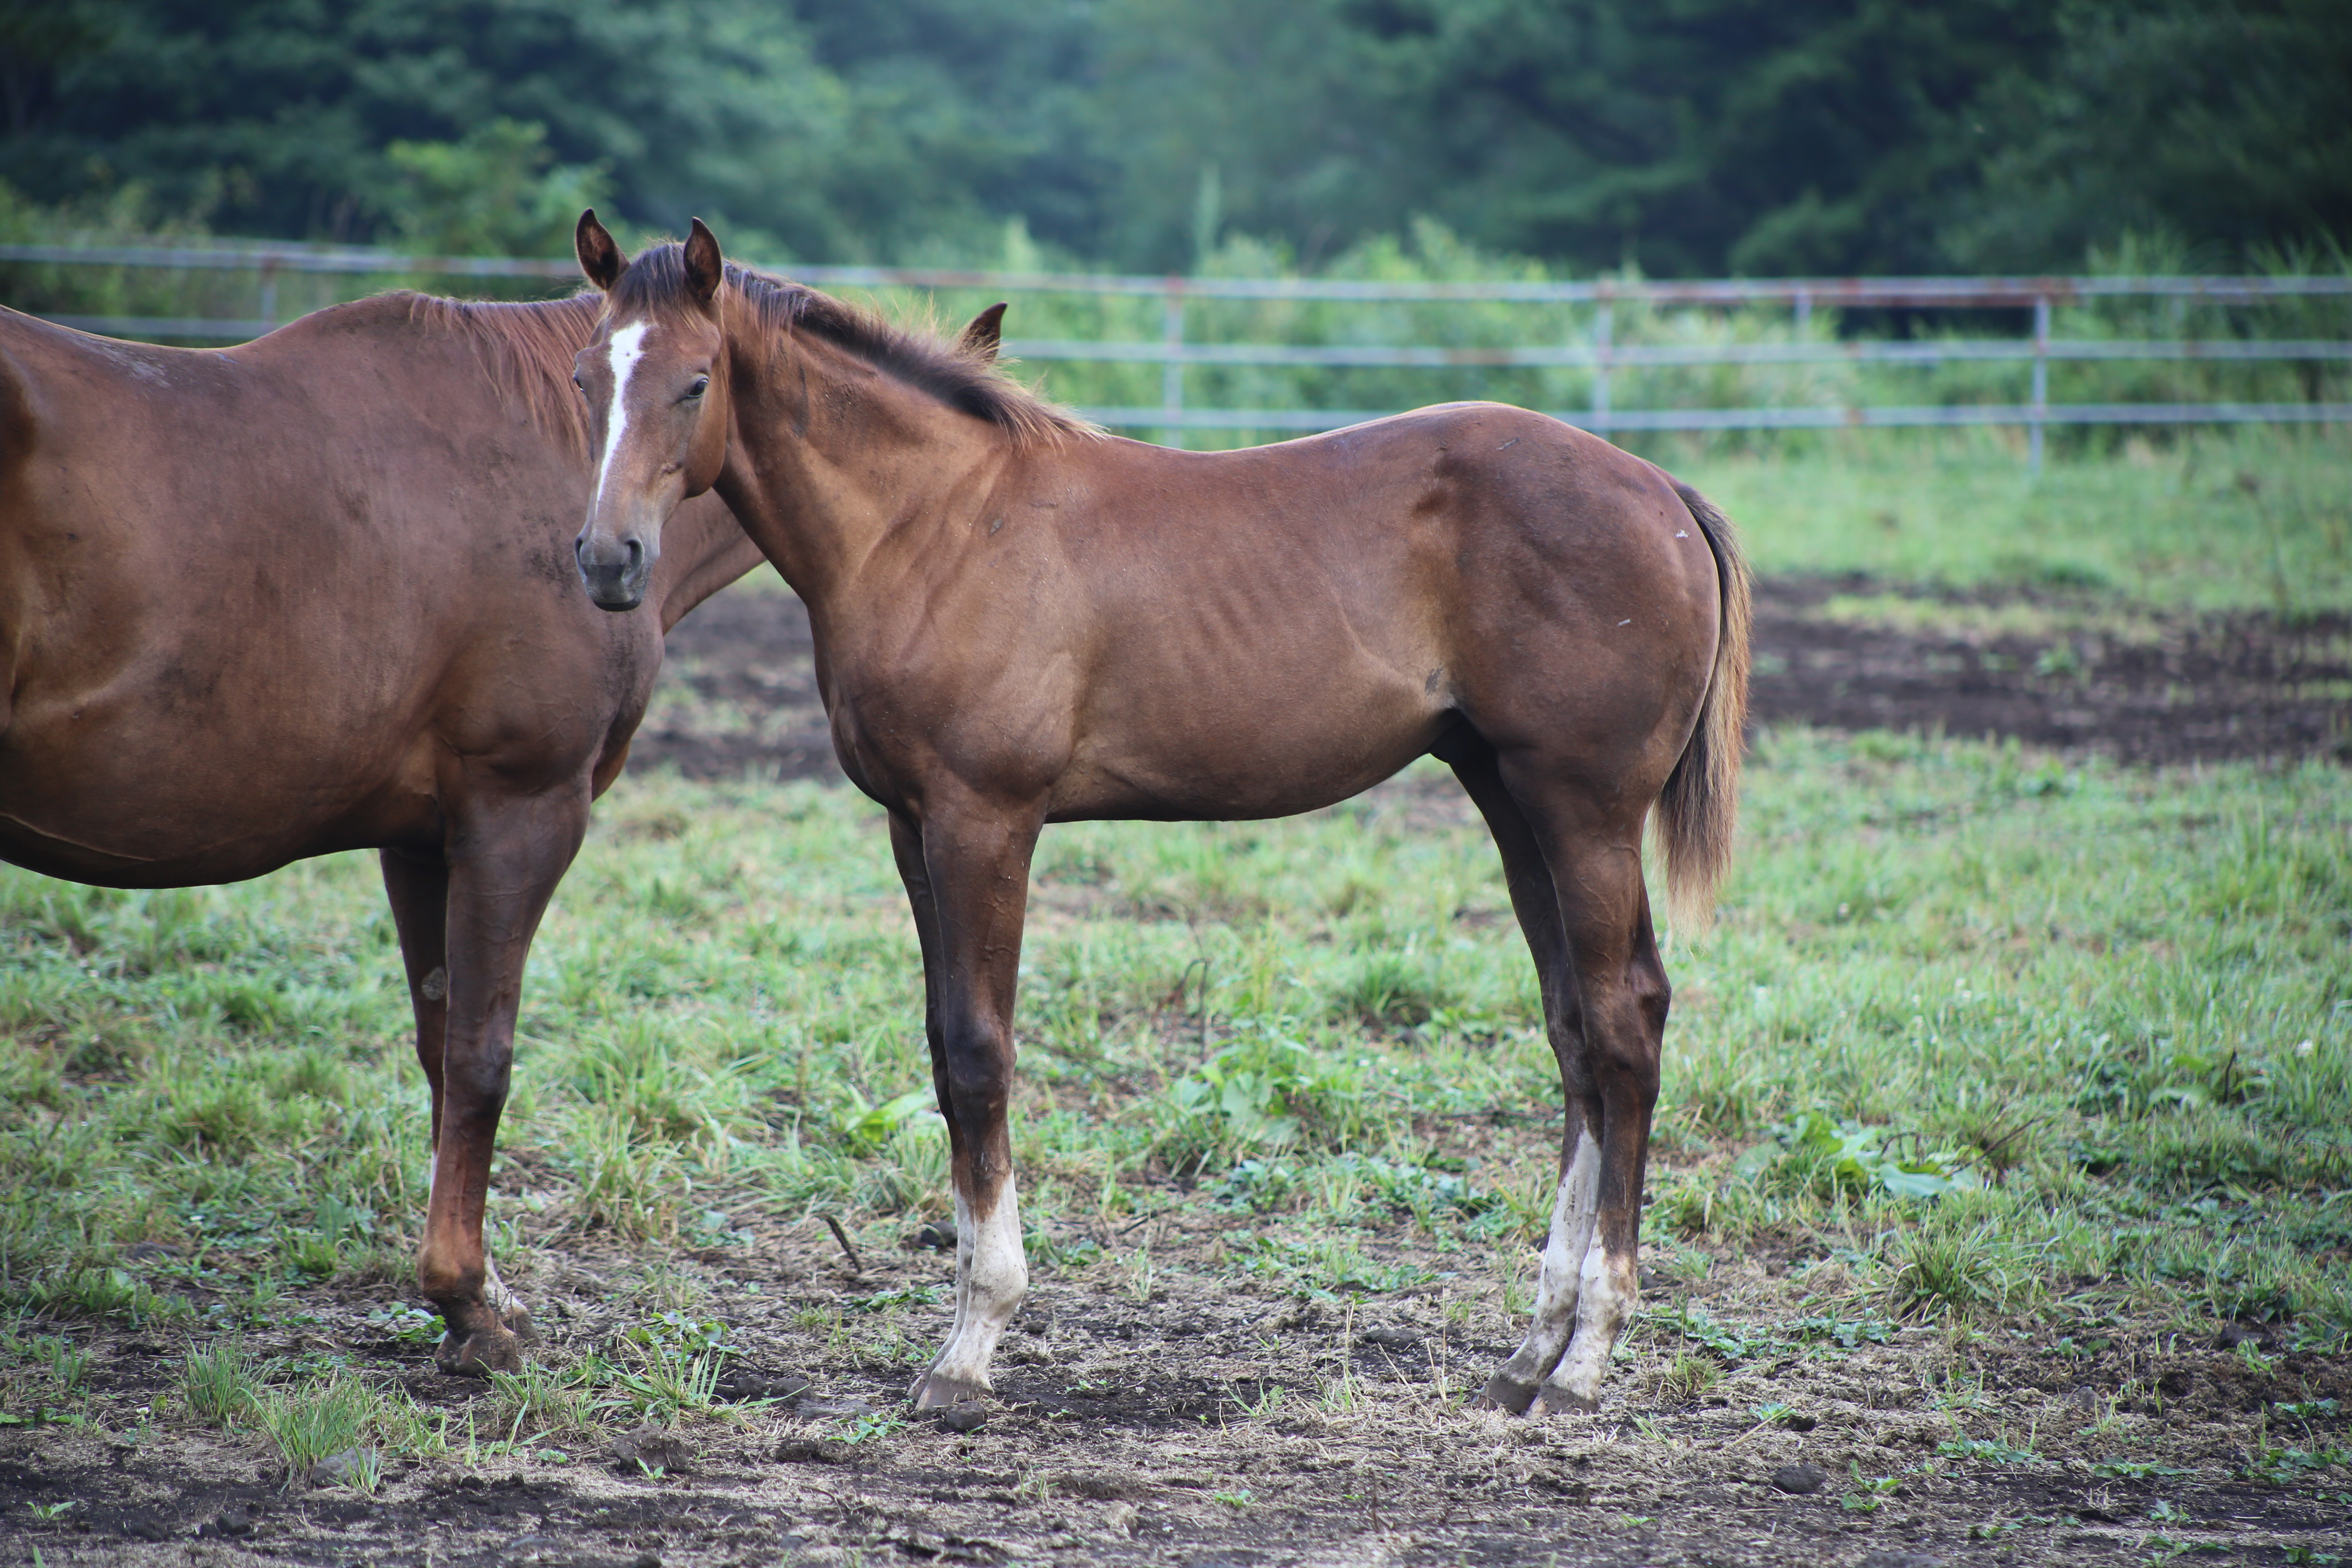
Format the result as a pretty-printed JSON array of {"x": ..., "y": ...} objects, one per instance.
[
  {"x": 2252, "y": 520},
  {"x": 2104, "y": 1014}
]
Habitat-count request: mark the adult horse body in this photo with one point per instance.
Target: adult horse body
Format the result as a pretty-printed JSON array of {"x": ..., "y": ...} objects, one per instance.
[
  {"x": 1020, "y": 621},
  {"x": 316, "y": 592}
]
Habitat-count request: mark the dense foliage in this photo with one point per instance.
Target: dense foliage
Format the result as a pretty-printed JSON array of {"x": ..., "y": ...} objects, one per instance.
[{"x": 1693, "y": 137}]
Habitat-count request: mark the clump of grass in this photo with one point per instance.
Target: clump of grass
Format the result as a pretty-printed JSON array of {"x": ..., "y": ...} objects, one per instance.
[
  {"x": 1690, "y": 1375},
  {"x": 624, "y": 1183},
  {"x": 314, "y": 1420},
  {"x": 1945, "y": 1273},
  {"x": 217, "y": 1381},
  {"x": 539, "y": 1401},
  {"x": 1390, "y": 987}
]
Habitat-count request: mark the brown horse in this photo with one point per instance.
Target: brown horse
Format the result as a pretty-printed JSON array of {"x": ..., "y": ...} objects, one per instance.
[
  {"x": 1020, "y": 621},
  {"x": 316, "y": 592}
]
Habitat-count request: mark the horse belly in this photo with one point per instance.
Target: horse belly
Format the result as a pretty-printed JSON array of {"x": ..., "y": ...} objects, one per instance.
[
  {"x": 122, "y": 786},
  {"x": 1276, "y": 750}
]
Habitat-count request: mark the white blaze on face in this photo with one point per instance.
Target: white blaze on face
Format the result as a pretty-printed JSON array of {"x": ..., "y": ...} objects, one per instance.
[{"x": 627, "y": 347}]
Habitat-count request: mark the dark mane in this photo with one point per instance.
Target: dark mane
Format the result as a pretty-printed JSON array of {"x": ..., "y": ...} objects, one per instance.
[
  {"x": 957, "y": 376},
  {"x": 527, "y": 348}
]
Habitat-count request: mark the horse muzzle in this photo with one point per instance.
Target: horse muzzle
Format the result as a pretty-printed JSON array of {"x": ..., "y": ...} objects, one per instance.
[{"x": 614, "y": 571}]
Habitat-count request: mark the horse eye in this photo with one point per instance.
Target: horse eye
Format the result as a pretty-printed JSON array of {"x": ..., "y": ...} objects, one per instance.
[{"x": 702, "y": 385}]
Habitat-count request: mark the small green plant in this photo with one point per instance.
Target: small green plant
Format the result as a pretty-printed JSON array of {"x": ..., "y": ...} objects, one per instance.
[
  {"x": 1986, "y": 1450},
  {"x": 868, "y": 1427},
  {"x": 1141, "y": 1276},
  {"x": 1269, "y": 1400},
  {"x": 2135, "y": 1470},
  {"x": 1868, "y": 1495},
  {"x": 1817, "y": 1155},
  {"x": 1236, "y": 1498}
]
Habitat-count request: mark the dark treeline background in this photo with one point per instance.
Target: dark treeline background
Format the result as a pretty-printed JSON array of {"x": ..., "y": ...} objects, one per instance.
[{"x": 1674, "y": 136}]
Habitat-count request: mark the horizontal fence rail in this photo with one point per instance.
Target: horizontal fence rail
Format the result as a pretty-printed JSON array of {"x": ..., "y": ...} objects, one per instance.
[{"x": 1595, "y": 351}]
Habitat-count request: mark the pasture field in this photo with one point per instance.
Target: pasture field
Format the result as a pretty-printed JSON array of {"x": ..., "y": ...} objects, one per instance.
[{"x": 2001, "y": 1199}]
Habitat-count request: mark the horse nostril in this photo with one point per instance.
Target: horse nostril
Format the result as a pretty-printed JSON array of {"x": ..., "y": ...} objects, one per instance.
[{"x": 636, "y": 554}]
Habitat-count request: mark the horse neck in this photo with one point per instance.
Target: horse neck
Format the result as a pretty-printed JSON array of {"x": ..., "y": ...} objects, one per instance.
[{"x": 829, "y": 455}]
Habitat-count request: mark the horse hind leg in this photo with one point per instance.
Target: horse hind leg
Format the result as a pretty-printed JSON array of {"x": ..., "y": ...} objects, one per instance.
[
  {"x": 1517, "y": 1383},
  {"x": 1622, "y": 994}
]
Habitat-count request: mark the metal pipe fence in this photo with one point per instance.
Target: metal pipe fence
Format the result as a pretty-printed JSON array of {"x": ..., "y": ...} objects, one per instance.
[{"x": 1597, "y": 350}]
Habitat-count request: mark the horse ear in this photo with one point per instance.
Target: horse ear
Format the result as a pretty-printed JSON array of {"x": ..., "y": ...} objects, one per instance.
[
  {"x": 600, "y": 259},
  {"x": 705, "y": 269},
  {"x": 986, "y": 332}
]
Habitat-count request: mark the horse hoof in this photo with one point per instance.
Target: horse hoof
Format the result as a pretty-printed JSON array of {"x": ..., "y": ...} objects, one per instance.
[
  {"x": 1558, "y": 1401},
  {"x": 939, "y": 1392},
  {"x": 479, "y": 1354},
  {"x": 1507, "y": 1395}
]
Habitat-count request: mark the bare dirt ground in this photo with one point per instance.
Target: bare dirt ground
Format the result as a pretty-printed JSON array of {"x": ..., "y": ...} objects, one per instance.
[
  {"x": 1155, "y": 1411},
  {"x": 1155, "y": 1408},
  {"x": 2050, "y": 669}
]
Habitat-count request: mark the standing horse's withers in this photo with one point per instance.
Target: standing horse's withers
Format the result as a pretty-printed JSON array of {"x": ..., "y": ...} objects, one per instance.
[
  {"x": 1019, "y": 620},
  {"x": 314, "y": 593}
]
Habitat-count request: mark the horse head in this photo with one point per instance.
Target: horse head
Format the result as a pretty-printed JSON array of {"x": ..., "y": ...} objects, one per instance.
[{"x": 654, "y": 377}]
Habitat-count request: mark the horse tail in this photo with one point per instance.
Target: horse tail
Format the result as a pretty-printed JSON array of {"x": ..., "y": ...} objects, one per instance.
[{"x": 1697, "y": 808}]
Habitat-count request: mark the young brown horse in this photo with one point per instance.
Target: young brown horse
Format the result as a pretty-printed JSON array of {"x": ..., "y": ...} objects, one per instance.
[
  {"x": 313, "y": 593},
  {"x": 1020, "y": 621}
]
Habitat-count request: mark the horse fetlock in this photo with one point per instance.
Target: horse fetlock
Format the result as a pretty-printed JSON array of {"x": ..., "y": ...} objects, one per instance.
[{"x": 452, "y": 1286}]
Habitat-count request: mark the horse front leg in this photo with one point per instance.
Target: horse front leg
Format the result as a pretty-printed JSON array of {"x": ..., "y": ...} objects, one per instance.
[
  {"x": 968, "y": 869},
  {"x": 504, "y": 860}
]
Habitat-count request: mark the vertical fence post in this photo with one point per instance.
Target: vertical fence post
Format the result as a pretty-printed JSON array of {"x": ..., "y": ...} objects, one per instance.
[
  {"x": 1804, "y": 311},
  {"x": 1171, "y": 372},
  {"x": 269, "y": 290},
  {"x": 2041, "y": 410},
  {"x": 1600, "y": 325}
]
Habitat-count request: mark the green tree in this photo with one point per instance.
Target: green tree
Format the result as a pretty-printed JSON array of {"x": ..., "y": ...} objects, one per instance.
[
  {"x": 490, "y": 193},
  {"x": 2222, "y": 124}
]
